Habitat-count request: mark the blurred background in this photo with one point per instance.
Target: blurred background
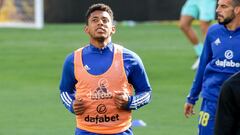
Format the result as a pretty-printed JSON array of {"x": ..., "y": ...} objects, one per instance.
[
  {"x": 137, "y": 10},
  {"x": 31, "y": 63}
]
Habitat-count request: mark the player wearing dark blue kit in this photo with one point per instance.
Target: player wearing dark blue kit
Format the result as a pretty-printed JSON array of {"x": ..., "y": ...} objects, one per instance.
[
  {"x": 98, "y": 80},
  {"x": 97, "y": 61},
  {"x": 220, "y": 59}
]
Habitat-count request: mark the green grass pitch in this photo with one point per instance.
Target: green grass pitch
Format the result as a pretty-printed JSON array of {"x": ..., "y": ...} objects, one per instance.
[{"x": 30, "y": 69}]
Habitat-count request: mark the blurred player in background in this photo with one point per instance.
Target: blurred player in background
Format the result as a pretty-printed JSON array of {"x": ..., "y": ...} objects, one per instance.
[
  {"x": 228, "y": 110},
  {"x": 219, "y": 61},
  {"x": 204, "y": 11},
  {"x": 98, "y": 80}
]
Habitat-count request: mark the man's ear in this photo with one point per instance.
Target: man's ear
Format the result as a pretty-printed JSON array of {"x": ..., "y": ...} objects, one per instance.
[
  {"x": 86, "y": 29},
  {"x": 237, "y": 10},
  {"x": 113, "y": 29}
]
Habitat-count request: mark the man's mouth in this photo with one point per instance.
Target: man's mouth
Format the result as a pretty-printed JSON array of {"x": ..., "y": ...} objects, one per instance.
[
  {"x": 100, "y": 30},
  {"x": 219, "y": 16}
]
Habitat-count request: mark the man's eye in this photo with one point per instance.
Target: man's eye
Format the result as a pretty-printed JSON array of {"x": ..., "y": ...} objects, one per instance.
[
  {"x": 105, "y": 20},
  {"x": 94, "y": 20},
  {"x": 224, "y": 6}
]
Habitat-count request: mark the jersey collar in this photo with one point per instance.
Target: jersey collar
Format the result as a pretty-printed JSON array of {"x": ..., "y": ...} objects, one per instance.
[{"x": 108, "y": 47}]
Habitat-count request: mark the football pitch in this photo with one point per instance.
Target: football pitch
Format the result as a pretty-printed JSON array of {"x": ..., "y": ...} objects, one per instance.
[{"x": 31, "y": 65}]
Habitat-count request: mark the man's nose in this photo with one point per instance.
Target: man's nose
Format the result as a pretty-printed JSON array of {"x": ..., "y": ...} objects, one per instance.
[{"x": 100, "y": 22}]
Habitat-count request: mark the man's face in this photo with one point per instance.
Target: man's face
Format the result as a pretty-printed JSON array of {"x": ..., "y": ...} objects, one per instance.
[
  {"x": 100, "y": 26},
  {"x": 225, "y": 12}
]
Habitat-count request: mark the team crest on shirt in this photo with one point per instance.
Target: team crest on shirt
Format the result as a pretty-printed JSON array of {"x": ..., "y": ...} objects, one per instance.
[
  {"x": 217, "y": 41},
  {"x": 101, "y": 92}
]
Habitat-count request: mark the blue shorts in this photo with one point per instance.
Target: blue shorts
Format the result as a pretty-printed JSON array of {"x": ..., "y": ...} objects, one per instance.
[
  {"x": 207, "y": 117},
  {"x": 203, "y": 10},
  {"x": 83, "y": 132}
]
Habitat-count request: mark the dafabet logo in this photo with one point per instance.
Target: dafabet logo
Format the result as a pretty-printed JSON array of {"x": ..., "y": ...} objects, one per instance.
[
  {"x": 227, "y": 62},
  {"x": 101, "y": 92}
]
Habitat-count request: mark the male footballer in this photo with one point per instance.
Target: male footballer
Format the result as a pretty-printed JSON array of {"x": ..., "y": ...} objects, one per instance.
[
  {"x": 98, "y": 80},
  {"x": 219, "y": 60}
]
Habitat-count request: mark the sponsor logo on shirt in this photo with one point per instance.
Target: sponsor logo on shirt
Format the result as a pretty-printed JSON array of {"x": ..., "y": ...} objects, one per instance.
[
  {"x": 100, "y": 119},
  {"x": 101, "y": 91},
  {"x": 228, "y": 62},
  {"x": 101, "y": 109}
]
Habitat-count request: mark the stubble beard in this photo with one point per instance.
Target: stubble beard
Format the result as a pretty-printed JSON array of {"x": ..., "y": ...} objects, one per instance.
[
  {"x": 100, "y": 39},
  {"x": 226, "y": 20}
]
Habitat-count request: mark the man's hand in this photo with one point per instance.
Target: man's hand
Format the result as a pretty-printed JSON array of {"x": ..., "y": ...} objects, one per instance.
[
  {"x": 188, "y": 110},
  {"x": 121, "y": 99},
  {"x": 78, "y": 107}
]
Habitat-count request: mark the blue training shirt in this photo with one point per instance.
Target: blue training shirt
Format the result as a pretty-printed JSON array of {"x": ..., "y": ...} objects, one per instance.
[
  {"x": 219, "y": 60},
  {"x": 97, "y": 61}
]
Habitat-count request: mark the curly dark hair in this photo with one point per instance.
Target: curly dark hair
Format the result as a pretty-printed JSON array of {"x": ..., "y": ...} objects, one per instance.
[{"x": 101, "y": 7}]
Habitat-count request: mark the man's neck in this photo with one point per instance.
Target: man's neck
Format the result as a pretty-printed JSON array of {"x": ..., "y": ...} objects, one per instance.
[
  {"x": 234, "y": 24},
  {"x": 99, "y": 44}
]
